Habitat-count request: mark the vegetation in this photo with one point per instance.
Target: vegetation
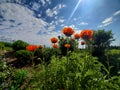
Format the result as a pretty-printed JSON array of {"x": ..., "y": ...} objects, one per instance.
[
  {"x": 19, "y": 45},
  {"x": 63, "y": 67}
]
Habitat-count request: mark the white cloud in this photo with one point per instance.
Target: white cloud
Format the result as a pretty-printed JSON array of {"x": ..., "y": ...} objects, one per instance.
[
  {"x": 83, "y": 23},
  {"x": 116, "y": 13},
  {"x": 35, "y": 6},
  {"x": 51, "y": 13},
  {"x": 43, "y": 2},
  {"x": 29, "y": 25},
  {"x": 106, "y": 22},
  {"x": 54, "y": 11},
  {"x": 61, "y": 20},
  {"x": 109, "y": 20}
]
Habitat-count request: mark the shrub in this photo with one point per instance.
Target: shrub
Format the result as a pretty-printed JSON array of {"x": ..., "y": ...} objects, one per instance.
[
  {"x": 63, "y": 41},
  {"x": 24, "y": 55},
  {"x": 102, "y": 40},
  {"x": 19, "y": 45},
  {"x": 18, "y": 78},
  {"x": 7, "y": 44},
  {"x": 5, "y": 75},
  {"x": 49, "y": 52},
  {"x": 10, "y": 79},
  {"x": 113, "y": 58},
  {"x": 2, "y": 46}
]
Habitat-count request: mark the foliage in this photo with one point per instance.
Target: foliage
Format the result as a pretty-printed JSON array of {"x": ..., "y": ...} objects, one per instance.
[
  {"x": 5, "y": 74},
  {"x": 18, "y": 78},
  {"x": 102, "y": 40},
  {"x": 10, "y": 79},
  {"x": 71, "y": 73},
  {"x": 49, "y": 52},
  {"x": 2, "y": 46},
  {"x": 19, "y": 45},
  {"x": 24, "y": 56},
  {"x": 113, "y": 57},
  {"x": 63, "y": 41},
  {"x": 7, "y": 44}
]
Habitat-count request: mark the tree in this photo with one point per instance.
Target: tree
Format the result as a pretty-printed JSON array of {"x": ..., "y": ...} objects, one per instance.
[{"x": 101, "y": 41}]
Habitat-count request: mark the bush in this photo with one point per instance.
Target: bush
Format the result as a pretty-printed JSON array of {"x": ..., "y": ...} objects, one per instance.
[
  {"x": 5, "y": 75},
  {"x": 113, "y": 57},
  {"x": 19, "y": 45},
  {"x": 2, "y": 46},
  {"x": 102, "y": 40},
  {"x": 24, "y": 55},
  {"x": 10, "y": 79},
  {"x": 18, "y": 78},
  {"x": 63, "y": 41}
]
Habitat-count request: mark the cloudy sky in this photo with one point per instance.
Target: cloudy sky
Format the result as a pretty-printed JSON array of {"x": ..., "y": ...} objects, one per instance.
[{"x": 36, "y": 21}]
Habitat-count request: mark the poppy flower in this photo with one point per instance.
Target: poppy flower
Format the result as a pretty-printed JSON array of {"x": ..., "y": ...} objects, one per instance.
[
  {"x": 82, "y": 43},
  {"x": 68, "y": 31},
  {"x": 72, "y": 39},
  {"x": 31, "y": 47},
  {"x": 54, "y": 40},
  {"x": 67, "y": 45},
  {"x": 77, "y": 36},
  {"x": 55, "y": 46},
  {"x": 86, "y": 34},
  {"x": 40, "y": 46}
]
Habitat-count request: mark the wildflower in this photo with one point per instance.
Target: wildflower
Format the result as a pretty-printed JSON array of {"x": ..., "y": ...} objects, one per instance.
[
  {"x": 55, "y": 46},
  {"x": 40, "y": 46},
  {"x": 86, "y": 34},
  {"x": 77, "y": 36},
  {"x": 54, "y": 40},
  {"x": 82, "y": 43},
  {"x": 68, "y": 31},
  {"x": 67, "y": 45},
  {"x": 31, "y": 47},
  {"x": 72, "y": 39}
]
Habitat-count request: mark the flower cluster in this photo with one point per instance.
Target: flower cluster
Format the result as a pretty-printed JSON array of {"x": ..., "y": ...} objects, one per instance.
[
  {"x": 40, "y": 46},
  {"x": 72, "y": 42},
  {"x": 82, "y": 43},
  {"x": 33, "y": 47},
  {"x": 67, "y": 31},
  {"x": 67, "y": 45},
  {"x": 54, "y": 40},
  {"x": 76, "y": 36},
  {"x": 55, "y": 45},
  {"x": 86, "y": 34}
]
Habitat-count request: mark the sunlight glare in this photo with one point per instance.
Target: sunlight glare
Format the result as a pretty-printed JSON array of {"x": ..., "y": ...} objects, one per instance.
[{"x": 75, "y": 9}]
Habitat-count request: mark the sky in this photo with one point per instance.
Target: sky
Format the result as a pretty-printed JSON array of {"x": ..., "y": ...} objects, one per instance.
[{"x": 36, "y": 21}]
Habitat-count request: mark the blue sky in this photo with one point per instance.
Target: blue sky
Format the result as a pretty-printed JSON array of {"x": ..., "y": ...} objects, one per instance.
[{"x": 36, "y": 21}]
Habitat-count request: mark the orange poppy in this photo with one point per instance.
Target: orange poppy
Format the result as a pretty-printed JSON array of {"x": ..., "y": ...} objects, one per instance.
[
  {"x": 67, "y": 45},
  {"x": 55, "y": 46},
  {"x": 54, "y": 40},
  {"x": 82, "y": 43},
  {"x": 40, "y": 46},
  {"x": 72, "y": 39},
  {"x": 77, "y": 36},
  {"x": 68, "y": 31},
  {"x": 86, "y": 34},
  {"x": 31, "y": 47}
]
